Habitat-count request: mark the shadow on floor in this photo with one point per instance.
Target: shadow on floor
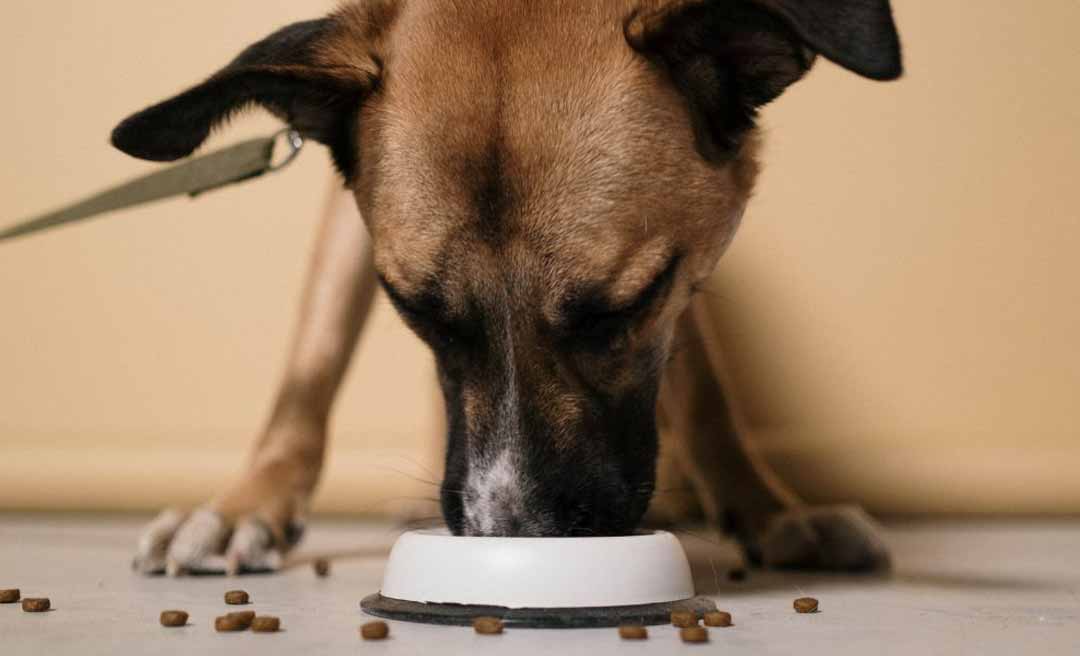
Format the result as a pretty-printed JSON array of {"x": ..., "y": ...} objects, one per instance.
[{"x": 719, "y": 569}]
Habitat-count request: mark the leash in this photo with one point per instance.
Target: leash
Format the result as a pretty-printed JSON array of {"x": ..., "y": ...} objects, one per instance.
[{"x": 244, "y": 161}]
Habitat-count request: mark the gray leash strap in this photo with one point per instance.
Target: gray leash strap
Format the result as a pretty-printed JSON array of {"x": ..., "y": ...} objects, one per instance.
[{"x": 244, "y": 161}]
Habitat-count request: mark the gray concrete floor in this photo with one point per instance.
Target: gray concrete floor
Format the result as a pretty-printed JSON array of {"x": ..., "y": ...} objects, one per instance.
[{"x": 960, "y": 587}]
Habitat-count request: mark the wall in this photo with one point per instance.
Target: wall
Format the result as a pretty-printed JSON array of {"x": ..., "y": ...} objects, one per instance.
[
  {"x": 902, "y": 304},
  {"x": 900, "y": 309}
]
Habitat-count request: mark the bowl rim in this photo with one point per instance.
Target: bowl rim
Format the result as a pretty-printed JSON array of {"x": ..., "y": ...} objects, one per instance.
[{"x": 433, "y": 566}]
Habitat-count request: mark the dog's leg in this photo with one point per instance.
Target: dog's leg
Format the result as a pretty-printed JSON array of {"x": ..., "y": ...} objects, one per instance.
[
  {"x": 738, "y": 490},
  {"x": 258, "y": 518}
]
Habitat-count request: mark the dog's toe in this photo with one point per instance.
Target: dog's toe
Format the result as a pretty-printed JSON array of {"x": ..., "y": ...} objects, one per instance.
[
  {"x": 840, "y": 538},
  {"x": 196, "y": 544},
  {"x": 252, "y": 549},
  {"x": 154, "y": 542}
]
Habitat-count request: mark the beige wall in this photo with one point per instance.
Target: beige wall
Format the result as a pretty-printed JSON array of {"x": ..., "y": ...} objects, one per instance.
[{"x": 900, "y": 309}]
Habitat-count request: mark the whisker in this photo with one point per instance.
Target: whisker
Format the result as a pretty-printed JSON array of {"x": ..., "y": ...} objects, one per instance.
[
  {"x": 406, "y": 475},
  {"x": 382, "y": 502},
  {"x": 417, "y": 463}
]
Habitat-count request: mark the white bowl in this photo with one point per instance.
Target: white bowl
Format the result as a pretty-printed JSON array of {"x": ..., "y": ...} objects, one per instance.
[{"x": 435, "y": 567}]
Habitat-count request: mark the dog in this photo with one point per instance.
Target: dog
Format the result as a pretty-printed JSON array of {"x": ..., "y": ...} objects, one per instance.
[{"x": 544, "y": 187}]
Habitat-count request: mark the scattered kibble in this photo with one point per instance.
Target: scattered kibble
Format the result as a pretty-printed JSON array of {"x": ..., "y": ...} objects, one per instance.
[
  {"x": 806, "y": 605},
  {"x": 683, "y": 618},
  {"x": 237, "y": 598},
  {"x": 375, "y": 631},
  {"x": 228, "y": 623},
  {"x": 266, "y": 624},
  {"x": 36, "y": 605},
  {"x": 243, "y": 617},
  {"x": 694, "y": 634},
  {"x": 633, "y": 632},
  {"x": 10, "y": 596},
  {"x": 488, "y": 625},
  {"x": 173, "y": 618},
  {"x": 718, "y": 618},
  {"x": 322, "y": 568}
]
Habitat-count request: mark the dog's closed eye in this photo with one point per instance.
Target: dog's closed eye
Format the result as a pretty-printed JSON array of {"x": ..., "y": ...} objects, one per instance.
[
  {"x": 592, "y": 316},
  {"x": 427, "y": 315},
  {"x": 419, "y": 305}
]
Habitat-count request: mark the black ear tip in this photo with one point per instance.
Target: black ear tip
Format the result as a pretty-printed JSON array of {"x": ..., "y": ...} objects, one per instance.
[
  {"x": 150, "y": 136},
  {"x": 141, "y": 139},
  {"x": 861, "y": 36},
  {"x": 892, "y": 62},
  {"x": 891, "y": 66},
  {"x": 887, "y": 71},
  {"x": 877, "y": 58}
]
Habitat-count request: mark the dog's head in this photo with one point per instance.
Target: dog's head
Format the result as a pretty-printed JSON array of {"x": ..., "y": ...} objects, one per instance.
[{"x": 546, "y": 183}]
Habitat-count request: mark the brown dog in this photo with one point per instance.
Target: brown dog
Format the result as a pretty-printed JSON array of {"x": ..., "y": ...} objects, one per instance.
[{"x": 546, "y": 184}]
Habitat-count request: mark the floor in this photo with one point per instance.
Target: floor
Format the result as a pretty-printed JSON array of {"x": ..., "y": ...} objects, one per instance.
[{"x": 960, "y": 587}]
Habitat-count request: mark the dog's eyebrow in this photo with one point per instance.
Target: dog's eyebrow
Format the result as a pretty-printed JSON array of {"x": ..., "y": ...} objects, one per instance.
[
  {"x": 595, "y": 302},
  {"x": 652, "y": 291}
]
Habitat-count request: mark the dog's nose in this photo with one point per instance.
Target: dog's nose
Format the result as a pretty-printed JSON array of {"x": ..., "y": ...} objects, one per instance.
[
  {"x": 514, "y": 528},
  {"x": 500, "y": 500},
  {"x": 506, "y": 521},
  {"x": 507, "y": 513}
]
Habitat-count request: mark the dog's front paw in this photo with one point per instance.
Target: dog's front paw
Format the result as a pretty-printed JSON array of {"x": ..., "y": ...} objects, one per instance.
[
  {"x": 206, "y": 542},
  {"x": 832, "y": 538},
  {"x": 248, "y": 530}
]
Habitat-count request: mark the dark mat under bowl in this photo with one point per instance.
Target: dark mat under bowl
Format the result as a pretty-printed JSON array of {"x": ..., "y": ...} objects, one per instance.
[{"x": 532, "y": 618}]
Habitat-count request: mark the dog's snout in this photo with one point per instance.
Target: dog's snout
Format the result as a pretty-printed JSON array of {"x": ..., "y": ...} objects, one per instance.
[
  {"x": 544, "y": 439},
  {"x": 506, "y": 496}
]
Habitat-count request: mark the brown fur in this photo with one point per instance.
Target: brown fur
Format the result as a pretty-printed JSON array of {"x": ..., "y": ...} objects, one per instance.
[{"x": 513, "y": 155}]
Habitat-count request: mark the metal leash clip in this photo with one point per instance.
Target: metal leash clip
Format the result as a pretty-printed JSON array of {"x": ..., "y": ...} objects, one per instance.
[{"x": 294, "y": 141}]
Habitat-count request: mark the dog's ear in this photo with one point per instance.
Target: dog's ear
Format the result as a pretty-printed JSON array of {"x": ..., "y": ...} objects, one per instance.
[
  {"x": 313, "y": 74},
  {"x": 730, "y": 57}
]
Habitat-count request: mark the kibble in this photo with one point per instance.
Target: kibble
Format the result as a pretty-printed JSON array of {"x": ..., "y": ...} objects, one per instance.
[
  {"x": 228, "y": 623},
  {"x": 683, "y": 618},
  {"x": 633, "y": 632},
  {"x": 36, "y": 605},
  {"x": 488, "y": 625},
  {"x": 806, "y": 605},
  {"x": 244, "y": 617},
  {"x": 10, "y": 596},
  {"x": 322, "y": 568},
  {"x": 694, "y": 634},
  {"x": 375, "y": 631},
  {"x": 718, "y": 618},
  {"x": 266, "y": 624},
  {"x": 237, "y": 598},
  {"x": 173, "y": 618}
]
